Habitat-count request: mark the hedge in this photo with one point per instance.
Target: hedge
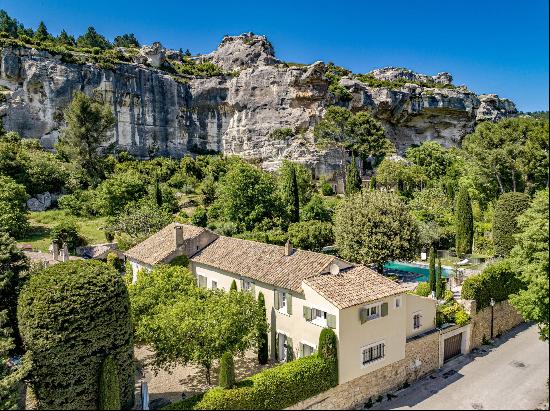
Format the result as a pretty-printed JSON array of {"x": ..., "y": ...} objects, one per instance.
[
  {"x": 71, "y": 317},
  {"x": 497, "y": 281},
  {"x": 274, "y": 388},
  {"x": 508, "y": 207},
  {"x": 109, "y": 386}
]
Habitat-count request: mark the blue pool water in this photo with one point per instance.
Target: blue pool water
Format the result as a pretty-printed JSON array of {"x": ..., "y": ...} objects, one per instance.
[{"x": 411, "y": 271}]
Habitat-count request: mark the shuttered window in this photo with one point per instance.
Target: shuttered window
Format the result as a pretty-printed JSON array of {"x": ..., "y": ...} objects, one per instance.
[
  {"x": 417, "y": 321},
  {"x": 373, "y": 352}
]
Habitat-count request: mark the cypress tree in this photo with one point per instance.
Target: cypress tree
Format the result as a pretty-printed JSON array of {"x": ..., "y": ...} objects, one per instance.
[
  {"x": 158, "y": 192},
  {"x": 292, "y": 195},
  {"x": 432, "y": 269},
  {"x": 353, "y": 179},
  {"x": 227, "y": 371},
  {"x": 263, "y": 353},
  {"x": 233, "y": 286},
  {"x": 508, "y": 207},
  {"x": 372, "y": 184},
  {"x": 439, "y": 282},
  {"x": 109, "y": 388},
  {"x": 464, "y": 222}
]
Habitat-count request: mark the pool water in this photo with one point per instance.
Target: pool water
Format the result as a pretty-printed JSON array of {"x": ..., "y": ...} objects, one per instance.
[{"x": 411, "y": 271}]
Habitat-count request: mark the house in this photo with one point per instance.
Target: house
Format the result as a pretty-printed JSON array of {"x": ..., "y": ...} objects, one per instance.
[
  {"x": 54, "y": 256},
  {"x": 304, "y": 292},
  {"x": 99, "y": 251}
]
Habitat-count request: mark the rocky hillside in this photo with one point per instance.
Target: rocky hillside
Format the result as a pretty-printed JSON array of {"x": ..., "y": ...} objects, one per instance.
[{"x": 237, "y": 109}]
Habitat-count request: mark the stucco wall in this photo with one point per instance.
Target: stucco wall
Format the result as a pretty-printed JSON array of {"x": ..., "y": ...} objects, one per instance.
[
  {"x": 293, "y": 325},
  {"x": 426, "y": 307},
  {"x": 505, "y": 318},
  {"x": 421, "y": 357}
]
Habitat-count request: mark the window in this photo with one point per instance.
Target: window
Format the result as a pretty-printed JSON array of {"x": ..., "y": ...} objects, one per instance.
[
  {"x": 214, "y": 285},
  {"x": 373, "y": 311},
  {"x": 417, "y": 321},
  {"x": 307, "y": 350},
  {"x": 319, "y": 317},
  {"x": 247, "y": 285},
  {"x": 283, "y": 301},
  {"x": 373, "y": 352},
  {"x": 202, "y": 281},
  {"x": 398, "y": 302}
]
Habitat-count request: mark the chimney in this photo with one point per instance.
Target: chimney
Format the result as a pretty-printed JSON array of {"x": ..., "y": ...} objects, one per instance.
[
  {"x": 65, "y": 253},
  {"x": 55, "y": 250},
  {"x": 178, "y": 235},
  {"x": 288, "y": 248}
]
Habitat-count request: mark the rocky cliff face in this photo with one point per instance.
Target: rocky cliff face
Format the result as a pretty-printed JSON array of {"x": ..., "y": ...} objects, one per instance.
[{"x": 234, "y": 114}]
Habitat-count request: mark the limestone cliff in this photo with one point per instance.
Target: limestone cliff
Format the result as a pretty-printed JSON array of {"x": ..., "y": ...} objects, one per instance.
[{"x": 235, "y": 113}]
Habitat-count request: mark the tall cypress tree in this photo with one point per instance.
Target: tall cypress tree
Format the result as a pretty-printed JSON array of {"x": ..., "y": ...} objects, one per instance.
[
  {"x": 263, "y": 353},
  {"x": 464, "y": 222},
  {"x": 432, "y": 269},
  {"x": 353, "y": 179},
  {"x": 292, "y": 195},
  {"x": 439, "y": 281},
  {"x": 158, "y": 192}
]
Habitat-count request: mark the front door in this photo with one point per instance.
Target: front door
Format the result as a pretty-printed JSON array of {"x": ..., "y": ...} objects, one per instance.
[{"x": 282, "y": 347}]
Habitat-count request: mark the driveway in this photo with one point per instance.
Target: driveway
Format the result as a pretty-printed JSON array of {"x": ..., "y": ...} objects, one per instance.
[{"x": 510, "y": 374}]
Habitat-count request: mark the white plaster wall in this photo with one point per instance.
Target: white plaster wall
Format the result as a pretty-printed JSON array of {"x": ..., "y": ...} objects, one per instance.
[{"x": 425, "y": 305}]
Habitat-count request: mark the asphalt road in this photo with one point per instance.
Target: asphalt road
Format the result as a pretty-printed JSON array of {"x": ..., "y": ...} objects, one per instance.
[{"x": 511, "y": 374}]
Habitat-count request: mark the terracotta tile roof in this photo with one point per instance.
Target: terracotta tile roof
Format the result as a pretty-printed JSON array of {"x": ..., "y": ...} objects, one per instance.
[
  {"x": 353, "y": 286},
  {"x": 162, "y": 244},
  {"x": 263, "y": 262}
]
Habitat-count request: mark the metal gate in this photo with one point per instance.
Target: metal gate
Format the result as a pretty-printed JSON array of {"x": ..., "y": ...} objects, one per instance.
[{"x": 452, "y": 347}]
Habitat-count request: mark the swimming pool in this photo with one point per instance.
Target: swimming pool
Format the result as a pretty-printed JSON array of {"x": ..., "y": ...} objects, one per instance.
[{"x": 411, "y": 271}]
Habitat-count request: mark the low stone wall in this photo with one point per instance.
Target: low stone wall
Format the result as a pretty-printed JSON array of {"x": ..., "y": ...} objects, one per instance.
[
  {"x": 505, "y": 317},
  {"x": 421, "y": 357}
]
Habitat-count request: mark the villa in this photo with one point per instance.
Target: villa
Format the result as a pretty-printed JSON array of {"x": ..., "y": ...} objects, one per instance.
[{"x": 372, "y": 316}]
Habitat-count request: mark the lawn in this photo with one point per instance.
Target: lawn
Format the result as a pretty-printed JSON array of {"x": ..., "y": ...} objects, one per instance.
[{"x": 41, "y": 223}]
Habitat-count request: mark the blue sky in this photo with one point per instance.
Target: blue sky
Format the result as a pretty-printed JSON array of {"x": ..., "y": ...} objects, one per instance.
[{"x": 492, "y": 46}]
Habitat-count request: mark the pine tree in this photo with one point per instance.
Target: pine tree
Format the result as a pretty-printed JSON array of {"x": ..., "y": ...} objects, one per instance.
[
  {"x": 432, "y": 269},
  {"x": 353, "y": 179},
  {"x": 439, "y": 281},
  {"x": 464, "y": 222},
  {"x": 263, "y": 352},
  {"x": 41, "y": 33}
]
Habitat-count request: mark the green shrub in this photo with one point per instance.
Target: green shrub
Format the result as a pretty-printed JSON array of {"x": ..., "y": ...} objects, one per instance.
[
  {"x": 328, "y": 350},
  {"x": 508, "y": 207},
  {"x": 109, "y": 387},
  {"x": 272, "y": 389},
  {"x": 13, "y": 215},
  {"x": 451, "y": 312},
  {"x": 66, "y": 232},
  {"x": 72, "y": 315},
  {"x": 199, "y": 217},
  {"x": 423, "y": 289},
  {"x": 325, "y": 188},
  {"x": 497, "y": 281},
  {"x": 311, "y": 235},
  {"x": 227, "y": 371},
  {"x": 233, "y": 286},
  {"x": 80, "y": 203}
]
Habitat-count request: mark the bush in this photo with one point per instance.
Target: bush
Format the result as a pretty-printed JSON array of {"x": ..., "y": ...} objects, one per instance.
[
  {"x": 227, "y": 371},
  {"x": 325, "y": 188},
  {"x": 451, "y": 312},
  {"x": 328, "y": 350},
  {"x": 80, "y": 203},
  {"x": 13, "y": 216},
  {"x": 199, "y": 217},
  {"x": 508, "y": 207},
  {"x": 311, "y": 235},
  {"x": 497, "y": 281},
  {"x": 423, "y": 289},
  {"x": 113, "y": 194},
  {"x": 272, "y": 389},
  {"x": 316, "y": 209},
  {"x": 66, "y": 232},
  {"x": 71, "y": 316},
  {"x": 109, "y": 387}
]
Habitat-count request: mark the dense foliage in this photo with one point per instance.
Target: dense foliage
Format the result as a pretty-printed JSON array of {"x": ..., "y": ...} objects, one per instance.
[
  {"x": 374, "y": 227},
  {"x": 109, "y": 386},
  {"x": 13, "y": 213},
  {"x": 227, "y": 371},
  {"x": 530, "y": 257},
  {"x": 262, "y": 330},
  {"x": 464, "y": 221},
  {"x": 71, "y": 316},
  {"x": 508, "y": 207},
  {"x": 497, "y": 281}
]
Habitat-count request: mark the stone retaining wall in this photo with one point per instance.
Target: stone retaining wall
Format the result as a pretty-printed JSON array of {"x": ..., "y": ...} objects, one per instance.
[
  {"x": 421, "y": 357},
  {"x": 505, "y": 318}
]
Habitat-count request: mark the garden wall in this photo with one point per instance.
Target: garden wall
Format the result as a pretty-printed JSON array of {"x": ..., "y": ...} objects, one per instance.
[
  {"x": 505, "y": 318},
  {"x": 421, "y": 357}
]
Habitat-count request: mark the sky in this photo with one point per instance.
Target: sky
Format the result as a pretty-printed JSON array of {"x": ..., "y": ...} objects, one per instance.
[{"x": 492, "y": 46}]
